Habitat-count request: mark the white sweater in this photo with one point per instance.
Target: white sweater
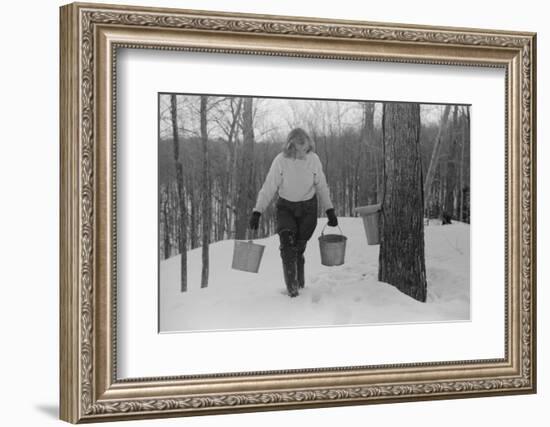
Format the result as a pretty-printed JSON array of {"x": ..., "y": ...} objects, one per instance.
[{"x": 295, "y": 180}]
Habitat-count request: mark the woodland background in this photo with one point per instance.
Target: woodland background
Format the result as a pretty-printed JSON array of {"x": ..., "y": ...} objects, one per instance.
[{"x": 215, "y": 152}]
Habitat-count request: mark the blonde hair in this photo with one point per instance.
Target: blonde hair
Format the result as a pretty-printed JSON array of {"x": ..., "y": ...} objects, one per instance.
[{"x": 297, "y": 136}]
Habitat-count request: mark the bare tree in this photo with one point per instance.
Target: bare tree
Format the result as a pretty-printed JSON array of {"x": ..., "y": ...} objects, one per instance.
[
  {"x": 229, "y": 190},
  {"x": 370, "y": 178},
  {"x": 465, "y": 127},
  {"x": 450, "y": 176},
  {"x": 165, "y": 221},
  {"x": 181, "y": 195},
  {"x": 401, "y": 259},
  {"x": 206, "y": 202},
  {"x": 435, "y": 156},
  {"x": 246, "y": 194}
]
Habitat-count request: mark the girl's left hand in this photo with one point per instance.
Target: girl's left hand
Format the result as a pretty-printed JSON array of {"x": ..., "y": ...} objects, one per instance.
[{"x": 332, "y": 220}]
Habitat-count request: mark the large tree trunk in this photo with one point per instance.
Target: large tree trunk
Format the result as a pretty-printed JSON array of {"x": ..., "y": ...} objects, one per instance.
[
  {"x": 435, "y": 157},
  {"x": 401, "y": 260},
  {"x": 206, "y": 202},
  {"x": 246, "y": 196},
  {"x": 181, "y": 196}
]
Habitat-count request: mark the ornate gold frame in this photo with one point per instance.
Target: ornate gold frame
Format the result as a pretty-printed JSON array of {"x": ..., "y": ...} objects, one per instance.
[{"x": 90, "y": 35}]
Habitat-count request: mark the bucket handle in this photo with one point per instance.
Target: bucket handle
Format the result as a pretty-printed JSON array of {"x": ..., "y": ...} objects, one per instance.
[
  {"x": 251, "y": 234},
  {"x": 323, "y": 230}
]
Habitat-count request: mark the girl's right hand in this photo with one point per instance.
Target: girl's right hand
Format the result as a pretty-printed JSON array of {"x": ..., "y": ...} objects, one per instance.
[{"x": 254, "y": 220}]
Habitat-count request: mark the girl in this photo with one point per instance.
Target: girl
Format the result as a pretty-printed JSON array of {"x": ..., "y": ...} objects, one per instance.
[{"x": 296, "y": 174}]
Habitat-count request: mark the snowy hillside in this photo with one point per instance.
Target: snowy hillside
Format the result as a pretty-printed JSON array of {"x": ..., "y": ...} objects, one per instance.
[{"x": 344, "y": 295}]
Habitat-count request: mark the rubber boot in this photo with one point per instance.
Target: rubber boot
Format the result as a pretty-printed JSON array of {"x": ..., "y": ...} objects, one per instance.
[
  {"x": 300, "y": 261},
  {"x": 289, "y": 269},
  {"x": 288, "y": 256}
]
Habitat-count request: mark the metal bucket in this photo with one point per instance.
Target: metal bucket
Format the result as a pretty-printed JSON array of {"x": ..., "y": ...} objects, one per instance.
[
  {"x": 371, "y": 220},
  {"x": 247, "y": 256},
  {"x": 332, "y": 247}
]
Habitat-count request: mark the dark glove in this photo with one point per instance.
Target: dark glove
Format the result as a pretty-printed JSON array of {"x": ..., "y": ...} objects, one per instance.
[
  {"x": 332, "y": 220},
  {"x": 254, "y": 220}
]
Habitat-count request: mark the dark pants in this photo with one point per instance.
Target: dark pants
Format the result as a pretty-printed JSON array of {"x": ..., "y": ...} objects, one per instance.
[{"x": 296, "y": 222}]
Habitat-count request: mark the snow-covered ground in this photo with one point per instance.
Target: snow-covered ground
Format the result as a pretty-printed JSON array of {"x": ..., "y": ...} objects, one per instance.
[{"x": 349, "y": 294}]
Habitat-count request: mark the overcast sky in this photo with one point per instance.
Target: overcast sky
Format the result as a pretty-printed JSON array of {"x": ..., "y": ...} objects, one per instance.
[{"x": 275, "y": 117}]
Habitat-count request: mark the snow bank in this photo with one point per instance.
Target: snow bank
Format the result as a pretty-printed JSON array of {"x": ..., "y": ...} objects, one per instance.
[{"x": 344, "y": 295}]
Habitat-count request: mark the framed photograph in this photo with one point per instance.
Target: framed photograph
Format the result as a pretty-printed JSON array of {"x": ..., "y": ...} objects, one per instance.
[
  {"x": 255, "y": 134},
  {"x": 268, "y": 212}
]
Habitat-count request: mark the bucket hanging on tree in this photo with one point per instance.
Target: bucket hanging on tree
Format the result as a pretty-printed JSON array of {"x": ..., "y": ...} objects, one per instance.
[
  {"x": 247, "y": 256},
  {"x": 332, "y": 247},
  {"x": 371, "y": 221}
]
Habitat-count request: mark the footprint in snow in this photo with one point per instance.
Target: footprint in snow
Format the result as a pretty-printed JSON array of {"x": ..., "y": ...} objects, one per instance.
[
  {"x": 316, "y": 297},
  {"x": 325, "y": 279},
  {"x": 345, "y": 278}
]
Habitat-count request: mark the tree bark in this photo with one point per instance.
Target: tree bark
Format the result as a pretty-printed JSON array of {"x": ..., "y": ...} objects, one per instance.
[
  {"x": 194, "y": 206},
  {"x": 401, "y": 259},
  {"x": 461, "y": 170},
  {"x": 206, "y": 200},
  {"x": 166, "y": 228},
  {"x": 174, "y": 222},
  {"x": 181, "y": 196}
]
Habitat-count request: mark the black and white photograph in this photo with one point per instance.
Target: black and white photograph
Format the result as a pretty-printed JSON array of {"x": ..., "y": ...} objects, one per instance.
[{"x": 291, "y": 213}]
